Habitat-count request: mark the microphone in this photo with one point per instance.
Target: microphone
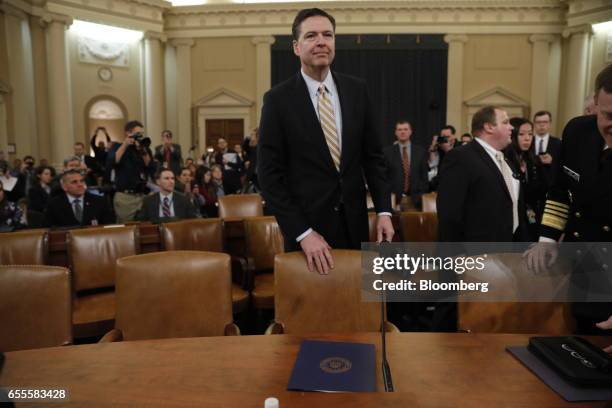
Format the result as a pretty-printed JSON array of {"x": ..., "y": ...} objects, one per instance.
[{"x": 386, "y": 370}]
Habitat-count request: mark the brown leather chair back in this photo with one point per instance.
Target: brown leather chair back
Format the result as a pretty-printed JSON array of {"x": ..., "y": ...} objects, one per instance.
[
  {"x": 429, "y": 202},
  {"x": 35, "y": 305},
  {"x": 307, "y": 302},
  {"x": 28, "y": 247},
  {"x": 507, "y": 274},
  {"x": 203, "y": 234},
  {"x": 173, "y": 294},
  {"x": 92, "y": 253},
  {"x": 264, "y": 240},
  {"x": 240, "y": 206},
  {"x": 419, "y": 227}
]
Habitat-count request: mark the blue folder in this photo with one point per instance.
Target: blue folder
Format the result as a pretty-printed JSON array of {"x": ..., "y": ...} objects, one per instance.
[{"x": 334, "y": 367}]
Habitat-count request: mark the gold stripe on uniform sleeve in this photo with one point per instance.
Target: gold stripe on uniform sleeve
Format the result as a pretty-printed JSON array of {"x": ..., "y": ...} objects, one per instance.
[
  {"x": 557, "y": 204},
  {"x": 553, "y": 221},
  {"x": 555, "y": 212}
]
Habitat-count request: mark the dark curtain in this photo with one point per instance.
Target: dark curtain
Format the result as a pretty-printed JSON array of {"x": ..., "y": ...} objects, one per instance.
[{"x": 406, "y": 77}]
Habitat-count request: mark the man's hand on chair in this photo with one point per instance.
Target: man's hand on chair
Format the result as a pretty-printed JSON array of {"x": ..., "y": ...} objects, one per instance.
[{"x": 317, "y": 252}]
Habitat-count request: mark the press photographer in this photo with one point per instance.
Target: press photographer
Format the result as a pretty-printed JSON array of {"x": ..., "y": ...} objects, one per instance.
[{"x": 133, "y": 164}]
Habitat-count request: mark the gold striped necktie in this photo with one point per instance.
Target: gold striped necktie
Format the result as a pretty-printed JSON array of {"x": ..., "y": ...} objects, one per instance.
[{"x": 328, "y": 124}]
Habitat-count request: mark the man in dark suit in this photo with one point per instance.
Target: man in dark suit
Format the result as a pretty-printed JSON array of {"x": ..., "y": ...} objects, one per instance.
[
  {"x": 77, "y": 207},
  {"x": 479, "y": 199},
  {"x": 407, "y": 168},
  {"x": 169, "y": 154},
  {"x": 547, "y": 147},
  {"x": 167, "y": 204},
  {"x": 317, "y": 139}
]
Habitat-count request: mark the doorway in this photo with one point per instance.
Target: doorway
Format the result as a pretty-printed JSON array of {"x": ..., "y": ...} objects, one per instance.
[
  {"x": 105, "y": 115},
  {"x": 231, "y": 130}
]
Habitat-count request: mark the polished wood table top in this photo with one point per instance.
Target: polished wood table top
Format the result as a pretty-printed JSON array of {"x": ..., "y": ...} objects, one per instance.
[{"x": 429, "y": 369}]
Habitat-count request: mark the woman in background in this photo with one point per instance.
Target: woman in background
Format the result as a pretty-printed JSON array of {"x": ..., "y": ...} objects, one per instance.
[
  {"x": 39, "y": 193},
  {"x": 521, "y": 153}
]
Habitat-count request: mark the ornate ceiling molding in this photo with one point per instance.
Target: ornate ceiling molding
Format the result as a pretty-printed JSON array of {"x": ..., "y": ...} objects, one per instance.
[
  {"x": 396, "y": 16},
  {"x": 588, "y": 12},
  {"x": 144, "y": 15}
]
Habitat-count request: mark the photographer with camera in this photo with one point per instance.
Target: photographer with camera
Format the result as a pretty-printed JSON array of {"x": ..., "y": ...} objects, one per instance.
[
  {"x": 133, "y": 164},
  {"x": 440, "y": 146}
]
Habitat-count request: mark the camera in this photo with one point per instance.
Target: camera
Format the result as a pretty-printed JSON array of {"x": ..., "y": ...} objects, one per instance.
[
  {"x": 442, "y": 139},
  {"x": 141, "y": 139}
]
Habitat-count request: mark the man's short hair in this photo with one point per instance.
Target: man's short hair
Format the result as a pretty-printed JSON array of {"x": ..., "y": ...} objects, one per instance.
[
  {"x": 71, "y": 158},
  {"x": 131, "y": 125},
  {"x": 161, "y": 171},
  {"x": 542, "y": 113},
  {"x": 604, "y": 80},
  {"x": 484, "y": 115},
  {"x": 167, "y": 132},
  {"x": 402, "y": 122},
  {"x": 466, "y": 135},
  {"x": 79, "y": 144},
  {"x": 449, "y": 127},
  {"x": 307, "y": 13},
  {"x": 186, "y": 168},
  {"x": 68, "y": 173}
]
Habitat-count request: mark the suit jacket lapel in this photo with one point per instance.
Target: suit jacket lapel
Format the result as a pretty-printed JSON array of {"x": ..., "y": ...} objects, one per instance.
[
  {"x": 313, "y": 126},
  {"x": 492, "y": 166},
  {"x": 346, "y": 107}
]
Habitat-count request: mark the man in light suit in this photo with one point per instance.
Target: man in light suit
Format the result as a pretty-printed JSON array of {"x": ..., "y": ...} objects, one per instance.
[
  {"x": 317, "y": 140},
  {"x": 167, "y": 204},
  {"x": 408, "y": 186}
]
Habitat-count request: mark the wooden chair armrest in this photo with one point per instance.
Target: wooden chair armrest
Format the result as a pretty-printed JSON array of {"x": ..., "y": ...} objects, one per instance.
[
  {"x": 112, "y": 336},
  {"x": 275, "y": 328},
  {"x": 391, "y": 328},
  {"x": 232, "y": 330}
]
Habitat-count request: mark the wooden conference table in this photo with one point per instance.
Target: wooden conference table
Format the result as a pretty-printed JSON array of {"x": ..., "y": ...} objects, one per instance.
[{"x": 429, "y": 370}]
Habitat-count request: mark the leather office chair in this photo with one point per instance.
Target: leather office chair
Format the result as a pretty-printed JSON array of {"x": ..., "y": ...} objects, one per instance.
[
  {"x": 264, "y": 240},
  {"x": 429, "y": 202},
  {"x": 92, "y": 254},
  {"x": 35, "y": 305},
  {"x": 187, "y": 294},
  {"x": 307, "y": 302},
  {"x": 508, "y": 275},
  {"x": 29, "y": 247},
  {"x": 203, "y": 234},
  {"x": 418, "y": 226},
  {"x": 240, "y": 206}
]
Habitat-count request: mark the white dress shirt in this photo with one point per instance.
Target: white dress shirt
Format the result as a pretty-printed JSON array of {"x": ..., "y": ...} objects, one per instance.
[
  {"x": 492, "y": 152},
  {"x": 330, "y": 86},
  {"x": 544, "y": 139}
]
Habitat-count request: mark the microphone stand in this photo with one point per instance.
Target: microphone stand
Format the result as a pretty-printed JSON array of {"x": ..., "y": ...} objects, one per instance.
[{"x": 386, "y": 370}]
